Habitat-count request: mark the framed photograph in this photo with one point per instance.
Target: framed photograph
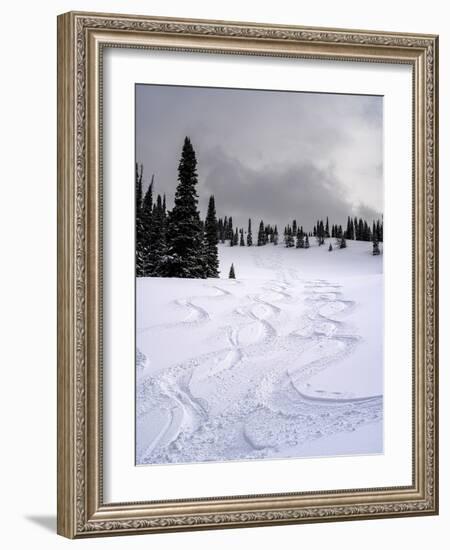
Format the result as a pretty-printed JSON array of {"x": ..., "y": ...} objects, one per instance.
[{"x": 247, "y": 274}]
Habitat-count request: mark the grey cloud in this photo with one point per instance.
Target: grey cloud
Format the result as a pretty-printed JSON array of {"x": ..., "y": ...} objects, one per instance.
[
  {"x": 266, "y": 154},
  {"x": 308, "y": 193}
]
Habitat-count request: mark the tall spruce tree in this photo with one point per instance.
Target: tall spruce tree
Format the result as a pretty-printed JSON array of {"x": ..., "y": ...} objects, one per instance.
[
  {"x": 306, "y": 242},
  {"x": 261, "y": 234},
  {"x": 211, "y": 240},
  {"x": 241, "y": 239},
  {"x": 146, "y": 224},
  {"x": 230, "y": 232},
  {"x": 184, "y": 235},
  {"x": 249, "y": 233},
  {"x": 158, "y": 250},
  {"x": 232, "y": 274},
  {"x": 139, "y": 174},
  {"x": 140, "y": 253}
]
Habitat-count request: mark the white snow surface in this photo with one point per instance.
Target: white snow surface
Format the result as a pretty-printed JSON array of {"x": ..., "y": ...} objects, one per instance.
[{"x": 284, "y": 361}]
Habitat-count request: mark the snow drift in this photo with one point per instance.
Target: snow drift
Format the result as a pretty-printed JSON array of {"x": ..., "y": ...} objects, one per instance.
[{"x": 284, "y": 361}]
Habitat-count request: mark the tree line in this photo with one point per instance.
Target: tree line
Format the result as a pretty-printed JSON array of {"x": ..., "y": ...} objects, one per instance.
[{"x": 178, "y": 243}]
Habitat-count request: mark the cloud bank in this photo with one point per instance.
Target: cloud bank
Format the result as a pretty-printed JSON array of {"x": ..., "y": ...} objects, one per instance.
[{"x": 267, "y": 155}]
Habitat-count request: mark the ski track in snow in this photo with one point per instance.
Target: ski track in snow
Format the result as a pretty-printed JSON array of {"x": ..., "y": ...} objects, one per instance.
[{"x": 256, "y": 397}]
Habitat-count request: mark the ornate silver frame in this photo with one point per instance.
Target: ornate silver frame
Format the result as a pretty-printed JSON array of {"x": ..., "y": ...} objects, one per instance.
[{"x": 81, "y": 38}]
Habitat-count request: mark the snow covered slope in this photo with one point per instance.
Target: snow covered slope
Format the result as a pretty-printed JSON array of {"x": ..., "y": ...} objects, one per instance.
[{"x": 284, "y": 361}]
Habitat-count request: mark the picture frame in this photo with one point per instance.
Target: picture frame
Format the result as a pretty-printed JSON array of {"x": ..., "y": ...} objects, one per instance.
[{"x": 82, "y": 40}]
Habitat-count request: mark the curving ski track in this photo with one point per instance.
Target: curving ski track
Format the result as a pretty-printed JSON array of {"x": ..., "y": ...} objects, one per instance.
[{"x": 254, "y": 397}]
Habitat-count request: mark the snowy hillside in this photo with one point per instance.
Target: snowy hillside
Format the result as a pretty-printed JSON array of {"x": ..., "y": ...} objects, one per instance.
[{"x": 284, "y": 361}]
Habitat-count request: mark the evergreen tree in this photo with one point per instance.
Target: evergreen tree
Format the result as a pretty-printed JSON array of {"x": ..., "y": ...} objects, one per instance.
[
  {"x": 139, "y": 173},
  {"x": 366, "y": 232},
  {"x": 327, "y": 229},
  {"x": 140, "y": 251},
  {"x": 230, "y": 232},
  {"x": 376, "y": 248},
  {"x": 241, "y": 241},
  {"x": 211, "y": 240},
  {"x": 294, "y": 227},
  {"x": 343, "y": 244},
  {"x": 232, "y": 274},
  {"x": 330, "y": 248},
  {"x": 236, "y": 238},
  {"x": 146, "y": 227},
  {"x": 300, "y": 241},
  {"x": 249, "y": 233},
  {"x": 261, "y": 238},
  {"x": 184, "y": 235},
  {"x": 306, "y": 242},
  {"x": 360, "y": 230},
  {"x": 158, "y": 249},
  {"x": 378, "y": 231},
  {"x": 289, "y": 238},
  {"x": 322, "y": 230},
  {"x": 275, "y": 236}
]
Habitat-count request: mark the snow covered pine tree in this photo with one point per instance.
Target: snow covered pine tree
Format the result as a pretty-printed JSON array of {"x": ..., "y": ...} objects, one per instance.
[
  {"x": 249, "y": 233},
  {"x": 211, "y": 240},
  {"x": 185, "y": 254}
]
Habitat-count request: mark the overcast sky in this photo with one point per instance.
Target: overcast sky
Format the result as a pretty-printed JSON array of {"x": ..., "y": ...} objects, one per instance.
[{"x": 266, "y": 155}]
